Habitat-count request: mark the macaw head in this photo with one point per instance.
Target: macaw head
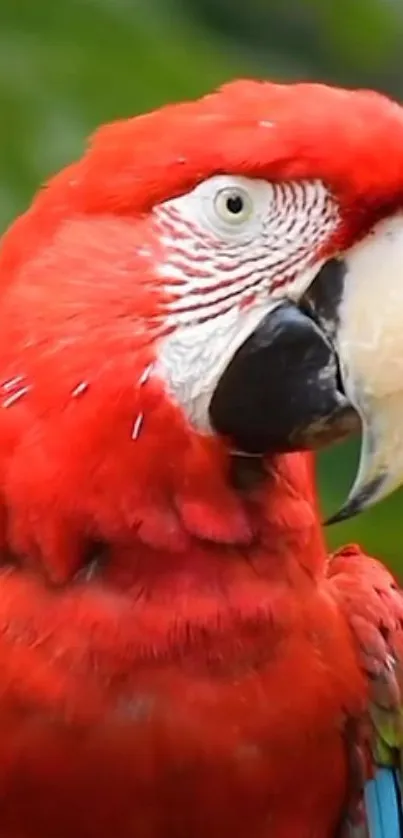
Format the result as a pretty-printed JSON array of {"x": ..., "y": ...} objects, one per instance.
[{"x": 220, "y": 276}]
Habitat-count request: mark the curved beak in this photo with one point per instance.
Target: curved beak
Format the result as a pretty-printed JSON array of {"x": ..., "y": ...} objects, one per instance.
[
  {"x": 315, "y": 371},
  {"x": 368, "y": 340},
  {"x": 281, "y": 391}
]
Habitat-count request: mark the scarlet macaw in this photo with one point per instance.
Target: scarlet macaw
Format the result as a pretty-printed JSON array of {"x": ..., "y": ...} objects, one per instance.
[{"x": 213, "y": 290}]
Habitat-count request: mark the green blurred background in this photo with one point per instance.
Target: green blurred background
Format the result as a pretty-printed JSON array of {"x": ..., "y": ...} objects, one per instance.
[{"x": 68, "y": 65}]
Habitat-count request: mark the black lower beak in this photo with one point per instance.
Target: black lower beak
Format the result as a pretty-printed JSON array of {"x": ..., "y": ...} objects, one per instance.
[{"x": 281, "y": 390}]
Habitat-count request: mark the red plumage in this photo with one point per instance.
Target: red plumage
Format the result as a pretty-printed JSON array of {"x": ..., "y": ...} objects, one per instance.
[{"x": 177, "y": 656}]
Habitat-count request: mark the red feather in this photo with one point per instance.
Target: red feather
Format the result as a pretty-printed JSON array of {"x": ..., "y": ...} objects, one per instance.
[{"x": 175, "y": 659}]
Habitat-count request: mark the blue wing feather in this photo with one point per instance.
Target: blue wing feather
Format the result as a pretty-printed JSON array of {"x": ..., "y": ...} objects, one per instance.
[{"x": 383, "y": 805}]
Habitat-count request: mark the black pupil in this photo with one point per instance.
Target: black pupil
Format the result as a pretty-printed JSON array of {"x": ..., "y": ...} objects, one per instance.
[{"x": 235, "y": 204}]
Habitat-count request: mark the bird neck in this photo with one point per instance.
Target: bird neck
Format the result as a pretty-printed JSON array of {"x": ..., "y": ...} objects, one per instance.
[
  {"x": 223, "y": 526},
  {"x": 135, "y": 480}
]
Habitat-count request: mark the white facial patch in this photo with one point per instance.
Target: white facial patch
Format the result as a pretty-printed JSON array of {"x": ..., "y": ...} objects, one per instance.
[{"x": 233, "y": 248}]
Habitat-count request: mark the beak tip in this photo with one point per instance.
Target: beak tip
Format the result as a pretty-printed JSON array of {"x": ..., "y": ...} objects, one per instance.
[
  {"x": 347, "y": 511},
  {"x": 360, "y": 499}
]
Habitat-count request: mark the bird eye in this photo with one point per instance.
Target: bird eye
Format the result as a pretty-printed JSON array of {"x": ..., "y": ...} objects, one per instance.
[{"x": 233, "y": 205}]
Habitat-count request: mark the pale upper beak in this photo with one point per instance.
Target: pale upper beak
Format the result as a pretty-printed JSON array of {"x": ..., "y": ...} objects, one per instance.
[{"x": 368, "y": 338}]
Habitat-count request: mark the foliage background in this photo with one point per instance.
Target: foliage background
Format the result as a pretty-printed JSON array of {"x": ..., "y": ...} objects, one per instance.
[{"x": 67, "y": 65}]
